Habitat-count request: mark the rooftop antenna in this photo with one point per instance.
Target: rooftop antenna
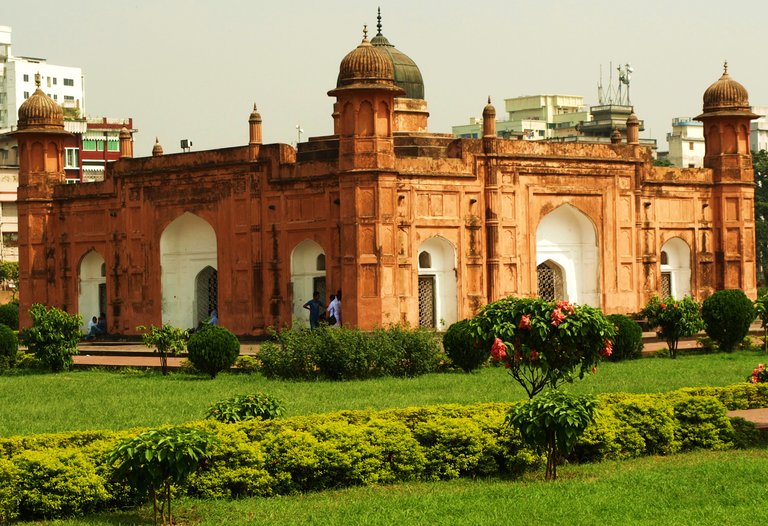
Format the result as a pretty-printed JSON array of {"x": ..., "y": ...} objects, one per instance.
[
  {"x": 299, "y": 131},
  {"x": 600, "y": 98}
]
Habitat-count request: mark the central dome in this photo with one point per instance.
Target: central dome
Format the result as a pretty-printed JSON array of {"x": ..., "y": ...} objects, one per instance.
[{"x": 407, "y": 73}]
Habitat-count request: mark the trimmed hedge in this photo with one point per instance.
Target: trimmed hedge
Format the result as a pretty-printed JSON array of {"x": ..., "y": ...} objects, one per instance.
[
  {"x": 47, "y": 476},
  {"x": 213, "y": 349},
  {"x": 338, "y": 353}
]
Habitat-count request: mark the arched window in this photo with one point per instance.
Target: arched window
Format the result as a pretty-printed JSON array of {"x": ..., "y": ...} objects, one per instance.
[
  {"x": 550, "y": 281},
  {"x": 320, "y": 262},
  {"x": 425, "y": 260},
  {"x": 664, "y": 258}
]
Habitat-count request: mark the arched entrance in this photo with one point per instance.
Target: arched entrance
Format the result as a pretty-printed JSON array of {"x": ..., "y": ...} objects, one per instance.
[
  {"x": 187, "y": 248},
  {"x": 92, "y": 300},
  {"x": 307, "y": 277},
  {"x": 438, "y": 299},
  {"x": 675, "y": 269},
  {"x": 566, "y": 240}
]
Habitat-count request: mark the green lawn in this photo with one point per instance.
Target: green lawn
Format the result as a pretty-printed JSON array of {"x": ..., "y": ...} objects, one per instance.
[
  {"x": 702, "y": 488},
  {"x": 36, "y": 403}
]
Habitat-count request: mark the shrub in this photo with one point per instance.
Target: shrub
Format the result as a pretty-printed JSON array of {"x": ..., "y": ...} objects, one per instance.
[
  {"x": 628, "y": 342},
  {"x": 761, "y": 311},
  {"x": 213, "y": 349},
  {"x": 9, "y": 315},
  {"x": 727, "y": 315},
  {"x": 543, "y": 343},
  {"x": 463, "y": 348},
  {"x": 53, "y": 337},
  {"x": 246, "y": 407},
  {"x": 759, "y": 374},
  {"x": 9, "y": 347},
  {"x": 247, "y": 364},
  {"x": 702, "y": 423},
  {"x": 289, "y": 355},
  {"x": 675, "y": 319},
  {"x": 418, "y": 351}
]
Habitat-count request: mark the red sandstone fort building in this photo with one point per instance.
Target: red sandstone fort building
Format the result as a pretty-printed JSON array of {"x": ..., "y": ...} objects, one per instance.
[{"x": 413, "y": 226}]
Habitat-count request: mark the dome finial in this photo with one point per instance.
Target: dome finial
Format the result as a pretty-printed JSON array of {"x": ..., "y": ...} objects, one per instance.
[
  {"x": 725, "y": 68},
  {"x": 489, "y": 99},
  {"x": 378, "y": 24},
  {"x": 37, "y": 79}
]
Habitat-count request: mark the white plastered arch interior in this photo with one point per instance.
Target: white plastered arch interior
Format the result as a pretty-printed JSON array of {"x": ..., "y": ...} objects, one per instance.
[
  {"x": 567, "y": 237},
  {"x": 306, "y": 267},
  {"x": 187, "y": 246},
  {"x": 91, "y": 278},
  {"x": 678, "y": 264},
  {"x": 442, "y": 261}
]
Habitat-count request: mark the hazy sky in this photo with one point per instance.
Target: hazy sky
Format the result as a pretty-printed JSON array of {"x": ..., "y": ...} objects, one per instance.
[{"x": 193, "y": 69}]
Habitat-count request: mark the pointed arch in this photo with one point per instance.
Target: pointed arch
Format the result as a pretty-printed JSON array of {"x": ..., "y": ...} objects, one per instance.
[
  {"x": 676, "y": 269},
  {"x": 551, "y": 281},
  {"x": 568, "y": 238},
  {"x": 438, "y": 291},
  {"x": 307, "y": 277},
  {"x": 365, "y": 121},
  {"x": 187, "y": 246},
  {"x": 92, "y": 287}
]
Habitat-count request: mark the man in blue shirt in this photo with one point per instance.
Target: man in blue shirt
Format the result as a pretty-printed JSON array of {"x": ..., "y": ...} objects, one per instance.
[{"x": 315, "y": 307}]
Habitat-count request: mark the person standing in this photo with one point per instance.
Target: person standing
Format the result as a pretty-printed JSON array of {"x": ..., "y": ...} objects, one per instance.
[
  {"x": 315, "y": 308},
  {"x": 334, "y": 312}
]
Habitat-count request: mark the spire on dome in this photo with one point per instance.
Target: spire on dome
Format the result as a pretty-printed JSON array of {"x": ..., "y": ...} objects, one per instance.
[
  {"x": 725, "y": 68},
  {"x": 378, "y": 23}
]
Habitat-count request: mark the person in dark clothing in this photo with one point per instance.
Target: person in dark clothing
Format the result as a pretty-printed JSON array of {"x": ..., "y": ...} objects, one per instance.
[{"x": 315, "y": 308}]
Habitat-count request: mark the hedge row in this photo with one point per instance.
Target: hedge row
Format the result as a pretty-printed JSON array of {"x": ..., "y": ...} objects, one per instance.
[{"x": 47, "y": 476}]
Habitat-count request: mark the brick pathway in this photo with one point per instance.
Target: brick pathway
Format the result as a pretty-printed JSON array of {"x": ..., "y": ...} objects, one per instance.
[{"x": 759, "y": 417}]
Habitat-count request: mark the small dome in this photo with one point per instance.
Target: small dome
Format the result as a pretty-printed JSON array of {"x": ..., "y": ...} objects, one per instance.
[
  {"x": 406, "y": 73},
  {"x": 157, "y": 150},
  {"x": 726, "y": 95},
  {"x": 40, "y": 111},
  {"x": 489, "y": 109},
  {"x": 255, "y": 115},
  {"x": 124, "y": 133},
  {"x": 365, "y": 64}
]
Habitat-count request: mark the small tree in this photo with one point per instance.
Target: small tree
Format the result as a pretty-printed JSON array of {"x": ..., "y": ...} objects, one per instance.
[
  {"x": 463, "y": 347},
  {"x": 53, "y": 337},
  {"x": 543, "y": 343},
  {"x": 552, "y": 421},
  {"x": 9, "y": 275},
  {"x": 675, "y": 319},
  {"x": 727, "y": 315},
  {"x": 761, "y": 310},
  {"x": 155, "y": 459},
  {"x": 213, "y": 349},
  {"x": 166, "y": 339}
]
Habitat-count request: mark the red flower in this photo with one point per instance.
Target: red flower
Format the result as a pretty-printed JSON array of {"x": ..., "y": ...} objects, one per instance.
[
  {"x": 525, "y": 323},
  {"x": 594, "y": 370},
  {"x": 557, "y": 317},
  {"x": 663, "y": 305},
  {"x": 565, "y": 306},
  {"x": 534, "y": 356},
  {"x": 498, "y": 350},
  {"x": 607, "y": 349}
]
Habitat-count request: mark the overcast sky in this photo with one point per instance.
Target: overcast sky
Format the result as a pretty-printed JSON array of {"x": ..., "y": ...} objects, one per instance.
[{"x": 193, "y": 69}]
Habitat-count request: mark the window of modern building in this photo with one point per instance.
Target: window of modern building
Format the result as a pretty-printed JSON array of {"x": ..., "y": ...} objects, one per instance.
[
  {"x": 71, "y": 158},
  {"x": 69, "y": 97},
  {"x": 69, "y": 82},
  {"x": 89, "y": 145},
  {"x": 113, "y": 146},
  {"x": 690, "y": 146},
  {"x": 54, "y": 81},
  {"x": 55, "y": 97},
  {"x": 26, "y": 78},
  {"x": 48, "y": 80},
  {"x": 26, "y": 94}
]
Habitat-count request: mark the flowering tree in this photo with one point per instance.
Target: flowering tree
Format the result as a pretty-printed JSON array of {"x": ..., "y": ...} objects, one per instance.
[
  {"x": 543, "y": 343},
  {"x": 675, "y": 319}
]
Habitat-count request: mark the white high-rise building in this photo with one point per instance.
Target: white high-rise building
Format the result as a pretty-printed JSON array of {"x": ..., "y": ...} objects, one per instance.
[
  {"x": 759, "y": 129},
  {"x": 686, "y": 143},
  {"x": 63, "y": 84}
]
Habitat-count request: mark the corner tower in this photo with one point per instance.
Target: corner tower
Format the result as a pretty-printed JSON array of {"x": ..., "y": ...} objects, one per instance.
[
  {"x": 40, "y": 136},
  {"x": 726, "y": 116}
]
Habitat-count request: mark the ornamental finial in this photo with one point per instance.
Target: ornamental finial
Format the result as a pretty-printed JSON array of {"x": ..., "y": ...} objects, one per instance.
[{"x": 378, "y": 24}]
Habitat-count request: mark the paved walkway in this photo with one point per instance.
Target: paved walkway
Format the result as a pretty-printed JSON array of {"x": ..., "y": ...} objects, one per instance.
[{"x": 759, "y": 417}]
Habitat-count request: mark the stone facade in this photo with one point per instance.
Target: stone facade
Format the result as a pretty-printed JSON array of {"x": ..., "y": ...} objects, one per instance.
[{"x": 413, "y": 226}]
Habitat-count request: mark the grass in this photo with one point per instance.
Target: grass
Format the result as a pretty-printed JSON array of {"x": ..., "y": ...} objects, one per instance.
[
  {"x": 701, "y": 488},
  {"x": 82, "y": 400}
]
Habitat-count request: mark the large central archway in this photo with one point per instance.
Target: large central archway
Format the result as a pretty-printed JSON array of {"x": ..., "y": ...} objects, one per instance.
[
  {"x": 307, "y": 276},
  {"x": 187, "y": 247},
  {"x": 438, "y": 300},
  {"x": 566, "y": 238}
]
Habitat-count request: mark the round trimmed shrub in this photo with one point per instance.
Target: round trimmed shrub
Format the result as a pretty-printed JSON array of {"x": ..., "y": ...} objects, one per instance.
[
  {"x": 9, "y": 315},
  {"x": 463, "y": 348},
  {"x": 213, "y": 349},
  {"x": 628, "y": 343},
  {"x": 9, "y": 347},
  {"x": 727, "y": 316}
]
